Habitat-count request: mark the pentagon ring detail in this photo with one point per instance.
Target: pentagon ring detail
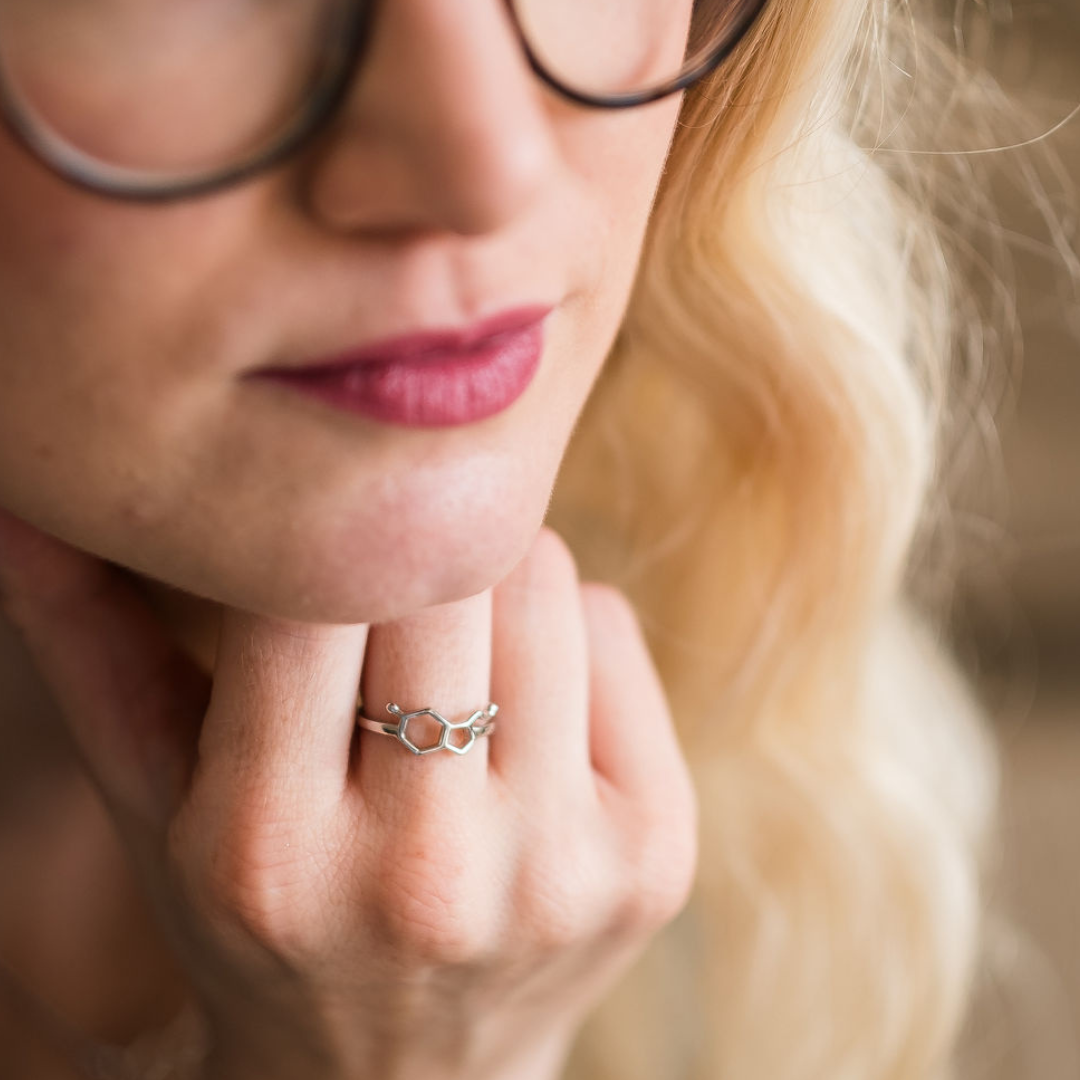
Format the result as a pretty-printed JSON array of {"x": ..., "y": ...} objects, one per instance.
[{"x": 400, "y": 730}]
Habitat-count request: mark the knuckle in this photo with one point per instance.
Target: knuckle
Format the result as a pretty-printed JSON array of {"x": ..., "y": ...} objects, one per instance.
[
  {"x": 668, "y": 891},
  {"x": 428, "y": 904},
  {"x": 261, "y": 901},
  {"x": 254, "y": 883},
  {"x": 662, "y": 872},
  {"x": 652, "y": 904},
  {"x": 561, "y": 900},
  {"x": 429, "y": 919}
]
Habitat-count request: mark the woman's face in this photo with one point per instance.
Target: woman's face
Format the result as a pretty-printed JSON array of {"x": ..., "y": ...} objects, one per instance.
[{"x": 451, "y": 186}]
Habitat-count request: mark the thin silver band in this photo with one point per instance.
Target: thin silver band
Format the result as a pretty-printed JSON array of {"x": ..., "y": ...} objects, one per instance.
[{"x": 400, "y": 730}]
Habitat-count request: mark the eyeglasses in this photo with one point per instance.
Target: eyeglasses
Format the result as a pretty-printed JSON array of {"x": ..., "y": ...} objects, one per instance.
[{"x": 159, "y": 99}]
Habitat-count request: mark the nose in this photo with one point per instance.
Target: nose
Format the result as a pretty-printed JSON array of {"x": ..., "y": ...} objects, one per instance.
[{"x": 445, "y": 126}]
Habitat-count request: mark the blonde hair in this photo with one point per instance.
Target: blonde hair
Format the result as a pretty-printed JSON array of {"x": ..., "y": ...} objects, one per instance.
[{"x": 761, "y": 467}]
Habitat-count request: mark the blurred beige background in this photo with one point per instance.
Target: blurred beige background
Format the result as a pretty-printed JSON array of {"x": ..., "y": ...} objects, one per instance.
[{"x": 1027, "y": 627}]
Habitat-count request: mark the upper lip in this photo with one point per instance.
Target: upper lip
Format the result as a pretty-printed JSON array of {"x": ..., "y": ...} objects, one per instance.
[{"x": 426, "y": 343}]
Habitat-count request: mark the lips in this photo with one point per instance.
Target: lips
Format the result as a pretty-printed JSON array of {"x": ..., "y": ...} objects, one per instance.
[
  {"x": 428, "y": 379},
  {"x": 433, "y": 345}
]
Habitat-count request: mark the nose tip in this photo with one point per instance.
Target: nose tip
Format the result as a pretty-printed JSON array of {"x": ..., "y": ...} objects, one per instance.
[
  {"x": 489, "y": 175},
  {"x": 445, "y": 126}
]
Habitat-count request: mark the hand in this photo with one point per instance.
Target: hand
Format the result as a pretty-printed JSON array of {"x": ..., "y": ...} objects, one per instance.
[{"x": 346, "y": 909}]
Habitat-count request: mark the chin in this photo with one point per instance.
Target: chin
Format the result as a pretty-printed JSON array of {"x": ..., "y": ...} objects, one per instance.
[
  {"x": 360, "y": 567},
  {"x": 422, "y": 538},
  {"x": 383, "y": 584},
  {"x": 320, "y": 532}
]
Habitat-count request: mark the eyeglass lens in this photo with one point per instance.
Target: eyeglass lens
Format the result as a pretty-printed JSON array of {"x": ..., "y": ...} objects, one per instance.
[
  {"x": 626, "y": 47},
  {"x": 164, "y": 87}
]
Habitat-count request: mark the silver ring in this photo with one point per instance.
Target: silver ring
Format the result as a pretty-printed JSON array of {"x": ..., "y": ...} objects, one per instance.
[{"x": 400, "y": 730}]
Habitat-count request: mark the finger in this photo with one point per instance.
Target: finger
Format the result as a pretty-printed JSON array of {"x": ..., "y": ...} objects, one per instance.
[
  {"x": 437, "y": 658},
  {"x": 634, "y": 745},
  {"x": 540, "y": 672},
  {"x": 131, "y": 698},
  {"x": 281, "y": 714}
]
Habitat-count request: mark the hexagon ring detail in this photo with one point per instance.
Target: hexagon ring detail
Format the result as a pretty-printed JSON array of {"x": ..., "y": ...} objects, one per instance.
[{"x": 478, "y": 723}]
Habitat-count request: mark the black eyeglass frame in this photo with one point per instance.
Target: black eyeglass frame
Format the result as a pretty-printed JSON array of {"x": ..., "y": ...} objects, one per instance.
[{"x": 321, "y": 104}]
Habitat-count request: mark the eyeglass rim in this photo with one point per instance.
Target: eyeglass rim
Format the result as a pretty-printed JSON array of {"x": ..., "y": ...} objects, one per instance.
[{"x": 118, "y": 182}]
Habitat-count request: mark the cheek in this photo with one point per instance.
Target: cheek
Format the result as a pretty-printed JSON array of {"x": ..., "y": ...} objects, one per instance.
[
  {"x": 70, "y": 258},
  {"x": 620, "y": 156},
  {"x": 95, "y": 342}
]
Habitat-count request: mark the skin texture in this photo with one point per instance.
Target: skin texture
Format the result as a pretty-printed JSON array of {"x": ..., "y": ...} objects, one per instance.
[
  {"x": 454, "y": 185},
  {"x": 307, "y": 874}
]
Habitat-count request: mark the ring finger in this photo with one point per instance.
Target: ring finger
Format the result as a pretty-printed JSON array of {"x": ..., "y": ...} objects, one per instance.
[{"x": 438, "y": 658}]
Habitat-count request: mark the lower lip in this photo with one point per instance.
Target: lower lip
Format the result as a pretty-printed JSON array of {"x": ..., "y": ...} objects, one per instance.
[{"x": 431, "y": 391}]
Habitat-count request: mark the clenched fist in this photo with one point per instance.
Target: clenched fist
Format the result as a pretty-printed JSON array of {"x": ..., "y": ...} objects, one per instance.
[{"x": 347, "y": 910}]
